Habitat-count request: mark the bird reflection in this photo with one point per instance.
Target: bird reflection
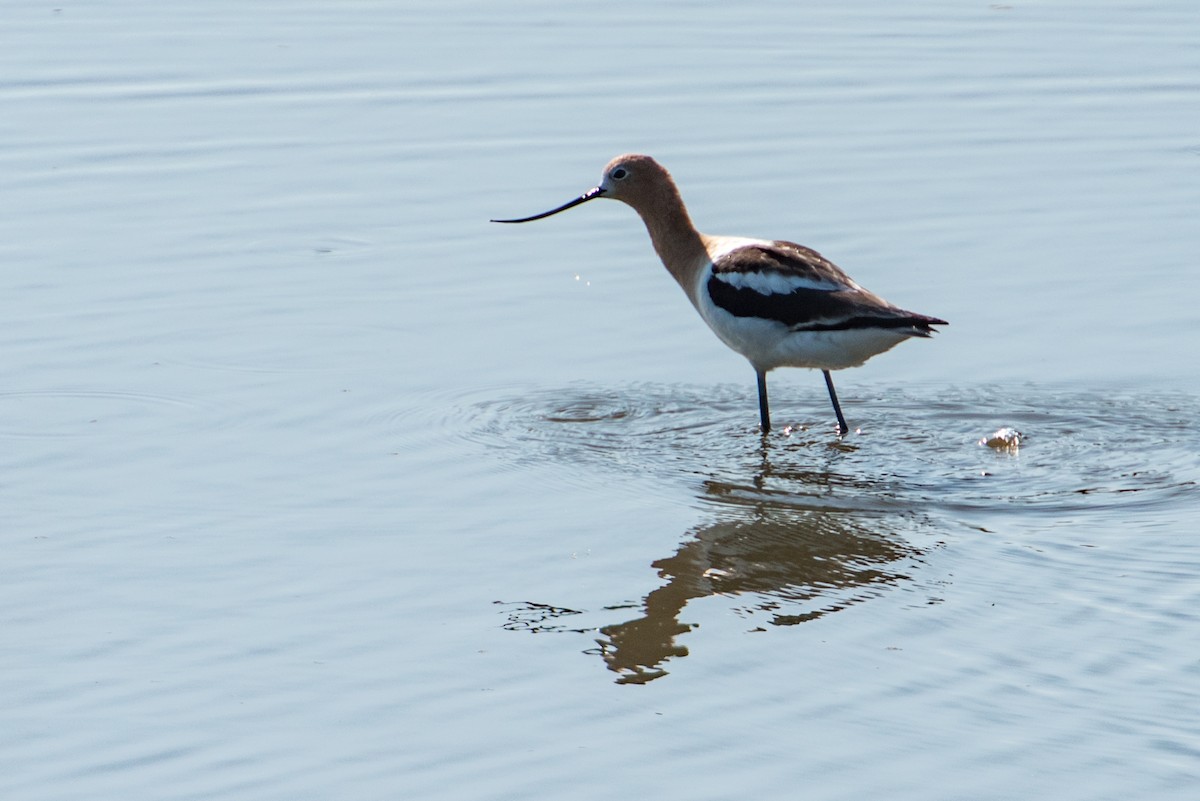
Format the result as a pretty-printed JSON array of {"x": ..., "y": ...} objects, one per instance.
[{"x": 780, "y": 545}]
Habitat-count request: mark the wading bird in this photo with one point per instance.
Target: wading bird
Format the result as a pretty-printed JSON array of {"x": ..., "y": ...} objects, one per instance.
[{"x": 777, "y": 303}]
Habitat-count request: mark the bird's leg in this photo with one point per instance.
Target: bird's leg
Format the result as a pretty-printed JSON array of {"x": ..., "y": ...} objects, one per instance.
[
  {"x": 837, "y": 407},
  {"x": 764, "y": 412}
]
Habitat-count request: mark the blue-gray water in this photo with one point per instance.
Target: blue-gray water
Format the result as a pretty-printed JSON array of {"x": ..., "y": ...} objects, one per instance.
[{"x": 313, "y": 484}]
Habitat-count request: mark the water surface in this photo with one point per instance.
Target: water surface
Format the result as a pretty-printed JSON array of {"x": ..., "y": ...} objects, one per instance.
[{"x": 313, "y": 484}]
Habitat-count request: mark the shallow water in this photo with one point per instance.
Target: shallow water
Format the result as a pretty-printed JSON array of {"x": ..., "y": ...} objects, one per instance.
[
  {"x": 315, "y": 484},
  {"x": 803, "y": 523}
]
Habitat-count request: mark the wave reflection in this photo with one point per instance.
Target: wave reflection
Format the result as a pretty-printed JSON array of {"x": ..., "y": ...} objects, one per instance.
[{"x": 801, "y": 524}]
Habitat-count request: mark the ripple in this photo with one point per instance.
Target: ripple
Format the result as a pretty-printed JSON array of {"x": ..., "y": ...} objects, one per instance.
[
  {"x": 802, "y": 524},
  {"x": 1079, "y": 452},
  {"x": 64, "y": 413},
  {"x": 273, "y": 348}
]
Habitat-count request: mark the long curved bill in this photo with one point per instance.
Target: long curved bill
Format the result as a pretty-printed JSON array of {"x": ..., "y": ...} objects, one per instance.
[{"x": 591, "y": 194}]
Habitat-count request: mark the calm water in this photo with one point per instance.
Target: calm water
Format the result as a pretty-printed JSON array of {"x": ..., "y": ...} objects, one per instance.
[{"x": 313, "y": 484}]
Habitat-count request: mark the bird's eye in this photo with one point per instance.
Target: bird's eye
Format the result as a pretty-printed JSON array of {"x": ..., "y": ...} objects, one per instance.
[{"x": 619, "y": 173}]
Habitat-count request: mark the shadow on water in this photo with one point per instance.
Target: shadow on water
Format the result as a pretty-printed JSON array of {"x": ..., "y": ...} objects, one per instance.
[
  {"x": 780, "y": 557},
  {"x": 787, "y": 565},
  {"x": 790, "y": 565},
  {"x": 801, "y": 524}
]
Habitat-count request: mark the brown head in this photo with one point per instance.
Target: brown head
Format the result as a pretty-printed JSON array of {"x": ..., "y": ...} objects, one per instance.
[
  {"x": 643, "y": 183},
  {"x": 640, "y": 182}
]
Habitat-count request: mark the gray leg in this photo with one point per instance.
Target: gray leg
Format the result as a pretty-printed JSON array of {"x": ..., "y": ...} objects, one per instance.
[
  {"x": 764, "y": 412},
  {"x": 837, "y": 407}
]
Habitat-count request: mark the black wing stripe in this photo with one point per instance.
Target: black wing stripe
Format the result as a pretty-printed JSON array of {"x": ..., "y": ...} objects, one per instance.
[
  {"x": 851, "y": 323},
  {"x": 799, "y": 307},
  {"x": 810, "y": 309}
]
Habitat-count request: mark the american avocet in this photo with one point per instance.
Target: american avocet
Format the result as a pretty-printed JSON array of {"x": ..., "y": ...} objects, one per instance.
[{"x": 777, "y": 303}]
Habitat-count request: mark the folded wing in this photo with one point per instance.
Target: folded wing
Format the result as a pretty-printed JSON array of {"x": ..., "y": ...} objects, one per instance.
[{"x": 801, "y": 289}]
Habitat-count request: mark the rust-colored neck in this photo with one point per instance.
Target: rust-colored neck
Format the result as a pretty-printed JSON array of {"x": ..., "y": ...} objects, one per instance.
[{"x": 675, "y": 238}]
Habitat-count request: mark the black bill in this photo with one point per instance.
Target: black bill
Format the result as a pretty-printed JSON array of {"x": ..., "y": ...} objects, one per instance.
[{"x": 591, "y": 194}]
